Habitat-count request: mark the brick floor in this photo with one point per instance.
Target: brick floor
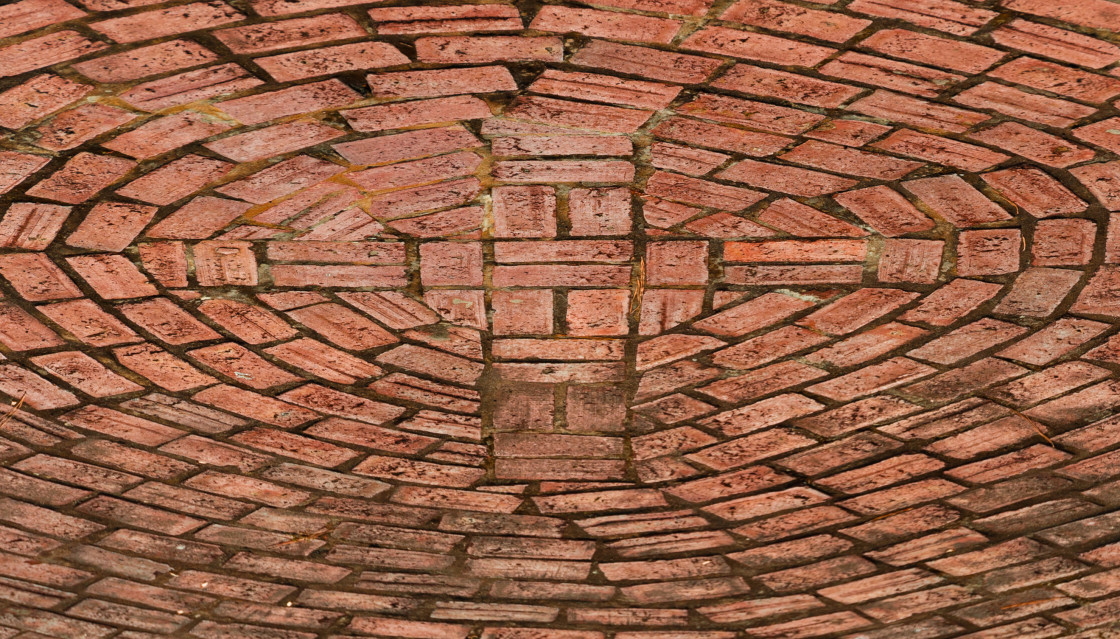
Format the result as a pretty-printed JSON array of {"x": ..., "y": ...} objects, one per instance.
[{"x": 616, "y": 319}]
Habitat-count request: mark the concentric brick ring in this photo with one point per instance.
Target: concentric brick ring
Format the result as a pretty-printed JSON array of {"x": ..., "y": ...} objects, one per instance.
[{"x": 629, "y": 319}]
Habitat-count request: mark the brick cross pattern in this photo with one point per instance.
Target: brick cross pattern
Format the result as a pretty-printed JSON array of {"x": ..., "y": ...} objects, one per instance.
[{"x": 573, "y": 319}]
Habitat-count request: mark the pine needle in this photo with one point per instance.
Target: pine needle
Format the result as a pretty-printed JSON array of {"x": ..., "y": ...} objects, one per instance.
[
  {"x": 1035, "y": 425},
  {"x": 11, "y": 413},
  {"x": 319, "y": 534},
  {"x": 639, "y": 289}
]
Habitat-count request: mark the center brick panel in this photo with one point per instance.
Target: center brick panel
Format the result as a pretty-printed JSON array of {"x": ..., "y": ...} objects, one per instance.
[{"x": 563, "y": 261}]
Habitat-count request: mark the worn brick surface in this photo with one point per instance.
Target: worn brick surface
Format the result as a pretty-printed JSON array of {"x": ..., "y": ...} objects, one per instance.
[{"x": 618, "y": 319}]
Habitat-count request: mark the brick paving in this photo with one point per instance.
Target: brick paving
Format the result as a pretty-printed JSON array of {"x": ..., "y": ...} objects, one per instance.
[{"x": 617, "y": 319}]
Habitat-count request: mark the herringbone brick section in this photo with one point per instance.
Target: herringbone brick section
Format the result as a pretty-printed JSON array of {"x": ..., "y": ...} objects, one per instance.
[{"x": 603, "y": 319}]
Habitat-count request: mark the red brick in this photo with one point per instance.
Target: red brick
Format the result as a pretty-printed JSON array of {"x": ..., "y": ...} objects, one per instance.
[
  {"x": 1089, "y": 14},
  {"x": 1037, "y": 292},
  {"x": 71, "y": 128},
  {"x": 1033, "y": 144},
  {"x": 243, "y": 366},
  {"x": 952, "y": 302},
  {"x": 645, "y": 62},
  {"x": 720, "y": 137},
  {"x": 779, "y": 16},
  {"x": 565, "y": 113},
  {"x": 676, "y": 263},
  {"x": 1038, "y": 74},
  {"x": 701, "y": 193},
  {"x": 394, "y": 148},
  {"x": 599, "y": 210},
  {"x": 45, "y": 51},
  {"x": 21, "y": 17},
  {"x": 988, "y": 252},
  {"x": 36, "y": 278},
  {"x": 455, "y": 18},
  {"x": 756, "y": 46},
  {"x": 1038, "y": 193},
  {"x": 485, "y": 49},
  {"x": 684, "y": 159},
  {"x": 872, "y": 379},
  {"x": 954, "y": 153},
  {"x": 280, "y": 138},
  {"x": 250, "y": 323},
  {"x": 334, "y": 59},
  {"x": 932, "y": 50},
  {"x": 1014, "y": 606},
  {"x": 753, "y": 315},
  {"x": 111, "y": 226},
  {"x": 943, "y": 15},
  {"x": 441, "y": 82},
  {"x": 395, "y": 116},
  {"x": 1019, "y": 104},
  {"x": 796, "y": 251},
  {"x": 914, "y": 261},
  {"x": 898, "y": 76},
  {"x": 298, "y": 570},
  {"x": 289, "y": 445},
  {"x": 390, "y": 331},
  {"x": 849, "y": 161},
  {"x": 161, "y": 367},
  {"x": 856, "y": 310},
  {"x": 851, "y": 417},
  {"x": 189, "y": 86},
  {"x": 86, "y": 321},
  {"x": 967, "y": 340},
  {"x": 885, "y": 210},
  {"x": 788, "y": 179},
  {"x": 140, "y": 516},
  {"x": 604, "y": 88},
  {"x": 804, "y": 221},
  {"x": 565, "y": 251},
  {"x": 1051, "y": 42},
  {"x": 762, "y": 381},
  {"x": 342, "y": 326},
  {"x": 183, "y": 412},
  {"x": 225, "y": 263},
  {"x": 848, "y": 132},
  {"x": 112, "y": 276},
  {"x": 1063, "y": 242},
  {"x": 31, "y": 226},
  {"x": 86, "y": 374},
  {"x": 953, "y": 384},
  {"x": 528, "y": 171},
  {"x": 1054, "y": 341},
  {"x": 1079, "y": 406},
  {"x": 143, "y": 62},
  {"x": 81, "y": 178},
  {"x": 750, "y": 79},
  {"x": 305, "y": 98},
  {"x": 289, "y": 33},
  {"x": 37, "y": 97},
  {"x": 799, "y": 275},
  {"x": 950, "y": 196},
  {"x": 605, "y": 24},
  {"x": 22, "y": 332},
  {"x": 1101, "y": 180},
  {"x": 765, "y": 348},
  {"x": 917, "y": 112},
  {"x": 598, "y": 312},
  {"x": 167, "y": 22},
  {"x": 561, "y": 145}
]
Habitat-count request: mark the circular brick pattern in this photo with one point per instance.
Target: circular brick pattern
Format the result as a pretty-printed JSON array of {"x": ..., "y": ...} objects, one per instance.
[{"x": 633, "y": 319}]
